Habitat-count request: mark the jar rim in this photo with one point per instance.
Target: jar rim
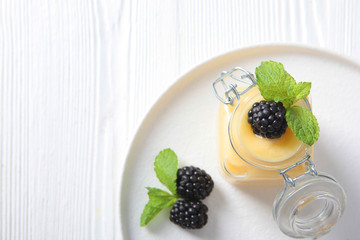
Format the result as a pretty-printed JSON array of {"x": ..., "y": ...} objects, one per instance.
[{"x": 301, "y": 153}]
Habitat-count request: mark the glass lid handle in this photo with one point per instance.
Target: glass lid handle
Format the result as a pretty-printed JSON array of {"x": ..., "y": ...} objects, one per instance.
[
  {"x": 229, "y": 81},
  {"x": 310, "y": 167}
]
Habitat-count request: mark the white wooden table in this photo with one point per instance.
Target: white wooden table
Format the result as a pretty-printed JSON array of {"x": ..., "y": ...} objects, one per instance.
[{"x": 77, "y": 77}]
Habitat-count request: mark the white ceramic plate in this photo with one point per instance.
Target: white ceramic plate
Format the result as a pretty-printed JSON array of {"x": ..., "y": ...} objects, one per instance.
[{"x": 185, "y": 119}]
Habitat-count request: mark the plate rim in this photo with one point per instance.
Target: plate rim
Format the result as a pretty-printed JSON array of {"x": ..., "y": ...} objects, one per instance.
[{"x": 181, "y": 79}]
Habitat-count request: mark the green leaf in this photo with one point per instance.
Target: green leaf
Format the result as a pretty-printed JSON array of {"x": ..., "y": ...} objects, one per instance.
[
  {"x": 300, "y": 91},
  {"x": 166, "y": 168},
  {"x": 303, "y": 124},
  {"x": 274, "y": 82},
  {"x": 158, "y": 199},
  {"x": 286, "y": 101},
  {"x": 148, "y": 214}
]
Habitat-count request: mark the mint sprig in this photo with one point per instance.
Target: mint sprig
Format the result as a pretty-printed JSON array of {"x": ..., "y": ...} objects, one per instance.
[
  {"x": 166, "y": 164},
  {"x": 278, "y": 85}
]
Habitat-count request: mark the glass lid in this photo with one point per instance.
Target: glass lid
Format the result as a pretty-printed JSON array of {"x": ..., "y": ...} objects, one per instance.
[{"x": 310, "y": 206}]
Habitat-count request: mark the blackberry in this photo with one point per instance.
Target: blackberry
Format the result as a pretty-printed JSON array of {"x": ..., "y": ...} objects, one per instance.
[
  {"x": 267, "y": 119},
  {"x": 193, "y": 183},
  {"x": 189, "y": 214}
]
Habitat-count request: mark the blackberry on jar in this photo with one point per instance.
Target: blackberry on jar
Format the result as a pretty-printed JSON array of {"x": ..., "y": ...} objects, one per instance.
[
  {"x": 267, "y": 119},
  {"x": 193, "y": 183},
  {"x": 189, "y": 214}
]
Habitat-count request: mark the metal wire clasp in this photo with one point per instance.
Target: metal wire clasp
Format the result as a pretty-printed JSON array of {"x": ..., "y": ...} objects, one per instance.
[
  {"x": 229, "y": 81},
  {"x": 310, "y": 167}
]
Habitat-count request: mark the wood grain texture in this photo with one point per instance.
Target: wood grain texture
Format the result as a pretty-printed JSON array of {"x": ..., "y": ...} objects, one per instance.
[
  {"x": 77, "y": 77},
  {"x": 55, "y": 130}
]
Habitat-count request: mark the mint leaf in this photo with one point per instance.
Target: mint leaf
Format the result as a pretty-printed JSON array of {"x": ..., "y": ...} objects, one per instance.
[
  {"x": 286, "y": 101},
  {"x": 303, "y": 124},
  {"x": 300, "y": 91},
  {"x": 166, "y": 168},
  {"x": 158, "y": 199},
  {"x": 274, "y": 82},
  {"x": 148, "y": 214}
]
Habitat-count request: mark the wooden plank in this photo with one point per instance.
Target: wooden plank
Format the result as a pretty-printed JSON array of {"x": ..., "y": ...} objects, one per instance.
[{"x": 77, "y": 77}]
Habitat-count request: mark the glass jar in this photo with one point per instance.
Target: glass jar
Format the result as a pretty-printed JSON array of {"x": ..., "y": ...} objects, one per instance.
[{"x": 310, "y": 203}]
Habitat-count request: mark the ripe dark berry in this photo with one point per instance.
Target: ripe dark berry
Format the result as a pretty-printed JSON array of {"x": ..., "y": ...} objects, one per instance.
[
  {"x": 193, "y": 183},
  {"x": 189, "y": 214},
  {"x": 267, "y": 119}
]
